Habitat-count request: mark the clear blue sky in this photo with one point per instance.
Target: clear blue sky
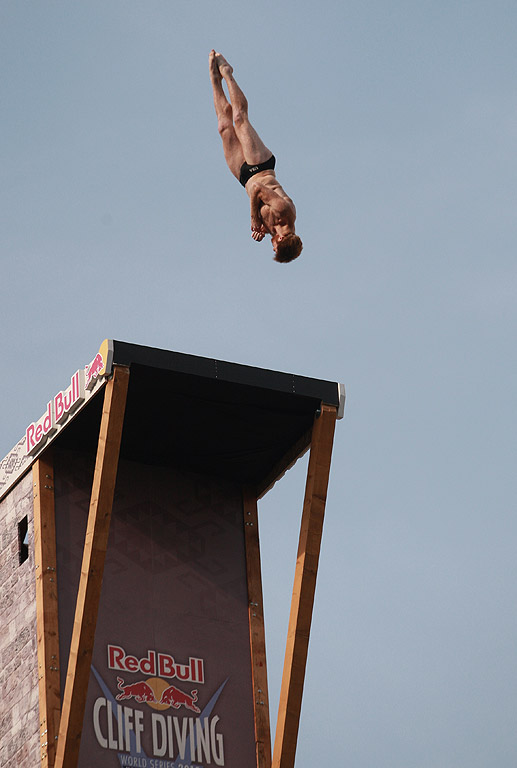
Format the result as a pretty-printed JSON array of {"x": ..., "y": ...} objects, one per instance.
[{"x": 395, "y": 126}]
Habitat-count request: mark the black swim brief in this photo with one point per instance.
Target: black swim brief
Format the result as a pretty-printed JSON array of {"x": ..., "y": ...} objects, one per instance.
[{"x": 247, "y": 171}]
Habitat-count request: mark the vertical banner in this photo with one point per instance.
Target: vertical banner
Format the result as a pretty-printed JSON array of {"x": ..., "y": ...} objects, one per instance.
[{"x": 170, "y": 685}]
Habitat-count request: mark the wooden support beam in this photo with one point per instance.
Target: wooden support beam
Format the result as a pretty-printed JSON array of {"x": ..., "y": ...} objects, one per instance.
[
  {"x": 304, "y": 587},
  {"x": 47, "y": 627},
  {"x": 257, "y": 632},
  {"x": 90, "y": 583}
]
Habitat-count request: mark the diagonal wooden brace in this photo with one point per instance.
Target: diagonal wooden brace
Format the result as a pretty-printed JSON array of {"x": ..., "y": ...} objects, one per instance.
[
  {"x": 46, "y": 606},
  {"x": 90, "y": 583},
  {"x": 257, "y": 631},
  {"x": 291, "y": 691}
]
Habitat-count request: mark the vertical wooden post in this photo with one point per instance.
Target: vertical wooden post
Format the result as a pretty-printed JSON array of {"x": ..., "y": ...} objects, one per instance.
[
  {"x": 46, "y": 606},
  {"x": 257, "y": 632},
  {"x": 304, "y": 587},
  {"x": 90, "y": 583}
]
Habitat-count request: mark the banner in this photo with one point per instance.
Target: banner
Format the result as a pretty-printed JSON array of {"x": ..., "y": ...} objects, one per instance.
[{"x": 170, "y": 685}]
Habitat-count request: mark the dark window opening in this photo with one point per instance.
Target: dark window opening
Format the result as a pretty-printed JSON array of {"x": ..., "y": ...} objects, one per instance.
[{"x": 23, "y": 540}]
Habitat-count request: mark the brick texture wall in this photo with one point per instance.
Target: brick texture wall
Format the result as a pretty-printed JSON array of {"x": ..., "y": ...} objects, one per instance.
[{"x": 19, "y": 715}]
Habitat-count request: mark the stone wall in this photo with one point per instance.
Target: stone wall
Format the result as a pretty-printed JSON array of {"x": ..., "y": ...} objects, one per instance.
[{"x": 19, "y": 715}]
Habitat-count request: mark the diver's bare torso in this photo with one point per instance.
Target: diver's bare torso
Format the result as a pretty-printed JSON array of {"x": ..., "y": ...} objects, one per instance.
[{"x": 272, "y": 210}]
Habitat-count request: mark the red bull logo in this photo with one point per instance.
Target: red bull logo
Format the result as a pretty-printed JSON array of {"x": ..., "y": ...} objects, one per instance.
[
  {"x": 173, "y": 697},
  {"x": 67, "y": 402},
  {"x": 140, "y": 691},
  {"x": 152, "y": 722},
  {"x": 93, "y": 370},
  {"x": 155, "y": 691}
]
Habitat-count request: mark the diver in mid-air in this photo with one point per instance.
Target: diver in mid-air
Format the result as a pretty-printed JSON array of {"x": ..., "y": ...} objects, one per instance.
[{"x": 252, "y": 163}]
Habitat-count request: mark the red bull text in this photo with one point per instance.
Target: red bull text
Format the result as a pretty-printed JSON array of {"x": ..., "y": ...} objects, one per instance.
[
  {"x": 155, "y": 663},
  {"x": 63, "y": 405},
  {"x": 58, "y": 410}
]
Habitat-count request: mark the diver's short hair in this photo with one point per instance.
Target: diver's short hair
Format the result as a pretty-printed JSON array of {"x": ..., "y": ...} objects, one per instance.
[{"x": 288, "y": 248}]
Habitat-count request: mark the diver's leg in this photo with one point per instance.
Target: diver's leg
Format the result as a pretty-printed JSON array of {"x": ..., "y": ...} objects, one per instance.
[
  {"x": 233, "y": 153},
  {"x": 254, "y": 149}
]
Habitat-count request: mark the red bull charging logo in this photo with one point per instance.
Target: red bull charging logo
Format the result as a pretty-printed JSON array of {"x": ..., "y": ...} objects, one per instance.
[
  {"x": 93, "y": 370},
  {"x": 147, "y": 690}
]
